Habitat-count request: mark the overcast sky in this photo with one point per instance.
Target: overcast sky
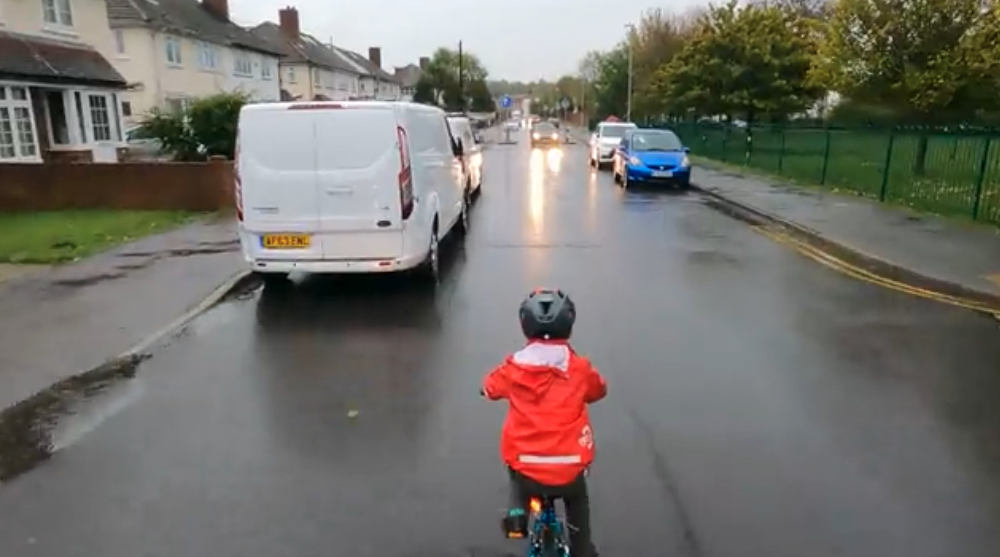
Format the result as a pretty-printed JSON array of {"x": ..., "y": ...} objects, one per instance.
[{"x": 515, "y": 39}]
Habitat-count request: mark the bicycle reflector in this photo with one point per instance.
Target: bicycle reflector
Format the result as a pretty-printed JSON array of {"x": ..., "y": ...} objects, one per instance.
[{"x": 536, "y": 505}]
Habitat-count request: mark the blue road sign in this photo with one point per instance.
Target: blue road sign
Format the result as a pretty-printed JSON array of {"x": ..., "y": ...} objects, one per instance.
[{"x": 505, "y": 102}]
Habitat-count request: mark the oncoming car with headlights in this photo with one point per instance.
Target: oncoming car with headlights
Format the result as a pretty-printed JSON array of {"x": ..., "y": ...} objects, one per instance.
[
  {"x": 544, "y": 133},
  {"x": 652, "y": 156}
]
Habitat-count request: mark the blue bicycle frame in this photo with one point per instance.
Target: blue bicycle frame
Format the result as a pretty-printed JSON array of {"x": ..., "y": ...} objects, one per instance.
[{"x": 548, "y": 531}]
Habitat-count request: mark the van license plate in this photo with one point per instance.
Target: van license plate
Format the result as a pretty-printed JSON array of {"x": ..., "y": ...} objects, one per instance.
[
  {"x": 285, "y": 241},
  {"x": 663, "y": 174}
]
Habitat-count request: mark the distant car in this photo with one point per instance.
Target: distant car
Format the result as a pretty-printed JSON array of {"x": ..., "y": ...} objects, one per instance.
[
  {"x": 544, "y": 134},
  {"x": 142, "y": 145},
  {"x": 513, "y": 125},
  {"x": 461, "y": 128},
  {"x": 652, "y": 156},
  {"x": 604, "y": 141}
]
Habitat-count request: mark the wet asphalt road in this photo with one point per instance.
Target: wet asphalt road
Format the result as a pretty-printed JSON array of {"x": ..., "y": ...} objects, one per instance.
[{"x": 759, "y": 405}]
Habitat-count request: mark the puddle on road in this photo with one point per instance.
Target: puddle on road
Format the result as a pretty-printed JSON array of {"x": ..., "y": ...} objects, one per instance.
[{"x": 34, "y": 429}]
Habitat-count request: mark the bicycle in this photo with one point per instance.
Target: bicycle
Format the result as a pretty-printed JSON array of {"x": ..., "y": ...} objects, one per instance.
[{"x": 547, "y": 533}]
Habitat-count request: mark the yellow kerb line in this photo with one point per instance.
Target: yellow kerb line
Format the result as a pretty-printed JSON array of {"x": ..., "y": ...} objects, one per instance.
[{"x": 858, "y": 273}]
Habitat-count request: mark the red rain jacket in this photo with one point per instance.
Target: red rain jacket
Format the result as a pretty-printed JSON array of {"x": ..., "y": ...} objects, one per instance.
[{"x": 547, "y": 434}]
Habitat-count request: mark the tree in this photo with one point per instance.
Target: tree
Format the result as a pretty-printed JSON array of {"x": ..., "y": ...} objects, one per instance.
[
  {"x": 442, "y": 75},
  {"x": 931, "y": 62},
  {"x": 611, "y": 83},
  {"x": 207, "y": 128},
  {"x": 657, "y": 39},
  {"x": 424, "y": 91},
  {"x": 747, "y": 61},
  {"x": 884, "y": 52},
  {"x": 480, "y": 98}
]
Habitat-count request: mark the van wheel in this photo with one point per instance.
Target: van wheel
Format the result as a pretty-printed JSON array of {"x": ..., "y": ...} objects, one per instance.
[{"x": 430, "y": 270}]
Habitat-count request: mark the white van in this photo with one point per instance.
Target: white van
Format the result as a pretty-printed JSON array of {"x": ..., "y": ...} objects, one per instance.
[
  {"x": 605, "y": 140},
  {"x": 461, "y": 128},
  {"x": 346, "y": 187}
]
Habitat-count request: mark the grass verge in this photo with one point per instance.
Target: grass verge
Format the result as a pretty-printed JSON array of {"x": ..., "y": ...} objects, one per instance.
[{"x": 48, "y": 237}]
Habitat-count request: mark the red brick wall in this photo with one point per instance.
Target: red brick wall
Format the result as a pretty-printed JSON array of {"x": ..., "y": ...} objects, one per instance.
[{"x": 138, "y": 186}]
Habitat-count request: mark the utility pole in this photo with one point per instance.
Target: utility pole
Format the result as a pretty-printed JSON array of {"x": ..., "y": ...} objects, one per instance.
[
  {"x": 461, "y": 78},
  {"x": 628, "y": 109}
]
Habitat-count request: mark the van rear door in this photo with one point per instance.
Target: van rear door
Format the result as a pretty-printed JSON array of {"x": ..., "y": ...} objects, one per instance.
[
  {"x": 276, "y": 180},
  {"x": 358, "y": 161}
]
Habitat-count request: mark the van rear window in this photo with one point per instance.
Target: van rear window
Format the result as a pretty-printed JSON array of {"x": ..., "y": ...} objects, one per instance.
[
  {"x": 348, "y": 138},
  {"x": 278, "y": 141},
  {"x": 354, "y": 138}
]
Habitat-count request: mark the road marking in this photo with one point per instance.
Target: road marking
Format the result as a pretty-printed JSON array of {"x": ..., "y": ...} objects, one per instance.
[{"x": 864, "y": 275}]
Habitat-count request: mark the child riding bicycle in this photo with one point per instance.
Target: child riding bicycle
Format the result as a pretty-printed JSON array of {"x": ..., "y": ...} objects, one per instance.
[{"x": 547, "y": 441}]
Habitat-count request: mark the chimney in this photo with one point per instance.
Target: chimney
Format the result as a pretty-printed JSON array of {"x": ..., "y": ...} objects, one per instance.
[
  {"x": 288, "y": 20},
  {"x": 217, "y": 7},
  {"x": 424, "y": 62},
  {"x": 375, "y": 55}
]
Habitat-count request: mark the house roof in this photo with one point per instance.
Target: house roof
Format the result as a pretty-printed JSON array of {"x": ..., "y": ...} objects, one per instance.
[
  {"x": 185, "y": 18},
  {"x": 36, "y": 58},
  {"x": 369, "y": 68},
  {"x": 307, "y": 49},
  {"x": 310, "y": 50},
  {"x": 408, "y": 75}
]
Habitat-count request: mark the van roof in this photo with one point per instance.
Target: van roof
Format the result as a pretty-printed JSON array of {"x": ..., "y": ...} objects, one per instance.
[{"x": 270, "y": 107}]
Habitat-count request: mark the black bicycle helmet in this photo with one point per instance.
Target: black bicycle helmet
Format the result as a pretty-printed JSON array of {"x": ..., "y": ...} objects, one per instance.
[{"x": 547, "y": 314}]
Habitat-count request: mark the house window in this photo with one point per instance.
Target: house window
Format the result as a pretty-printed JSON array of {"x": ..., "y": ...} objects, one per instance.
[
  {"x": 178, "y": 105},
  {"x": 242, "y": 64},
  {"x": 317, "y": 77},
  {"x": 58, "y": 12},
  {"x": 265, "y": 69},
  {"x": 173, "y": 47},
  {"x": 126, "y": 108},
  {"x": 18, "y": 141},
  {"x": 207, "y": 58},
  {"x": 100, "y": 117},
  {"x": 291, "y": 74},
  {"x": 119, "y": 41}
]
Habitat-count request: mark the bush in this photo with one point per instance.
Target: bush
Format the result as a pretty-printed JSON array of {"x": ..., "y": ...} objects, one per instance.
[{"x": 206, "y": 129}]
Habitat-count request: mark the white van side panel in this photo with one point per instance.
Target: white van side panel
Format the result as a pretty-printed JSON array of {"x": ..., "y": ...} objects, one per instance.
[
  {"x": 357, "y": 171},
  {"x": 277, "y": 171},
  {"x": 437, "y": 174}
]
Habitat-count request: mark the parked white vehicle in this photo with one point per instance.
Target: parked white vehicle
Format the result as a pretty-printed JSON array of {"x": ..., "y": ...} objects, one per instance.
[
  {"x": 605, "y": 140},
  {"x": 347, "y": 187},
  {"x": 461, "y": 128}
]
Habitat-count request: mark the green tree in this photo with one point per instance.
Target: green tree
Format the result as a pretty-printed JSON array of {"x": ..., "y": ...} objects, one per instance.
[
  {"x": 207, "y": 128},
  {"x": 932, "y": 62},
  {"x": 611, "y": 83},
  {"x": 442, "y": 74},
  {"x": 657, "y": 39},
  {"x": 424, "y": 91},
  {"x": 746, "y": 62},
  {"x": 480, "y": 98}
]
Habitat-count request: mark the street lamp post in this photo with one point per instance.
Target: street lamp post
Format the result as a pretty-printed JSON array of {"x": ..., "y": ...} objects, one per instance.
[{"x": 628, "y": 105}]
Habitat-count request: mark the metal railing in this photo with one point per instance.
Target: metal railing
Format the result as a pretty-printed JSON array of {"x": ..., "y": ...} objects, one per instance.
[{"x": 947, "y": 173}]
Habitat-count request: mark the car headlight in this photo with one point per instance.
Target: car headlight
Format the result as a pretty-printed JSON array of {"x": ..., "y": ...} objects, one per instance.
[
  {"x": 536, "y": 136},
  {"x": 634, "y": 161},
  {"x": 685, "y": 162},
  {"x": 555, "y": 136}
]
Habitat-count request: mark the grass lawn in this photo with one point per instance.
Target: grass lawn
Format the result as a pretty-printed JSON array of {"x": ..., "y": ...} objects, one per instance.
[{"x": 60, "y": 236}]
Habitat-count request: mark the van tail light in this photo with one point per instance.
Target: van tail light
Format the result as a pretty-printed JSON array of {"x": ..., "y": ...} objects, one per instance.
[
  {"x": 405, "y": 175},
  {"x": 237, "y": 182}
]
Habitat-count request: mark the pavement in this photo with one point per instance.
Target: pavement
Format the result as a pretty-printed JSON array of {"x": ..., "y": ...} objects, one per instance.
[
  {"x": 759, "y": 404},
  {"x": 60, "y": 322}
]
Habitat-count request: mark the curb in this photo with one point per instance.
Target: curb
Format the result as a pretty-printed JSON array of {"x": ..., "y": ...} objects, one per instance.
[
  {"x": 24, "y": 426},
  {"x": 875, "y": 265}
]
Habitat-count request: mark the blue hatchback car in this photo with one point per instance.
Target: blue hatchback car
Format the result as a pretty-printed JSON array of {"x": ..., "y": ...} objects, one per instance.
[{"x": 646, "y": 155}]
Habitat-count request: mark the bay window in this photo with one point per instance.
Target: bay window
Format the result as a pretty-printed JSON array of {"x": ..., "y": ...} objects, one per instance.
[{"x": 18, "y": 140}]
